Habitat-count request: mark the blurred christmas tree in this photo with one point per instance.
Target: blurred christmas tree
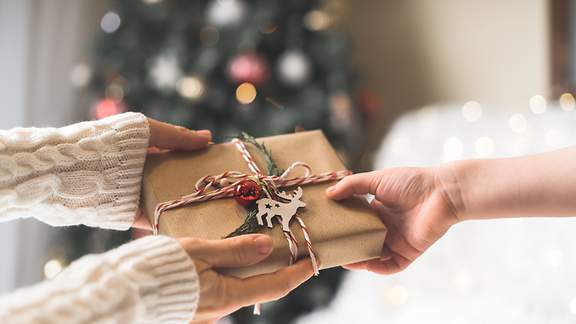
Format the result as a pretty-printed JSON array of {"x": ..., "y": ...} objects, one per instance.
[{"x": 262, "y": 66}]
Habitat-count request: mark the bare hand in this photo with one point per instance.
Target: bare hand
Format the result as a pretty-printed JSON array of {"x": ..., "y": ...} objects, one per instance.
[
  {"x": 221, "y": 295},
  {"x": 412, "y": 204},
  {"x": 165, "y": 136}
]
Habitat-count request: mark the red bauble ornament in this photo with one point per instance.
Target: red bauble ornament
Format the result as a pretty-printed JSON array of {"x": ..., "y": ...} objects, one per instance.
[
  {"x": 107, "y": 107},
  {"x": 248, "y": 68},
  {"x": 247, "y": 192}
]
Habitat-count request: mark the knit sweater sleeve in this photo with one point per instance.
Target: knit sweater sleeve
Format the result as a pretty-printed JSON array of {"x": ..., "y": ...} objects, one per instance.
[
  {"x": 87, "y": 173},
  {"x": 150, "y": 280}
]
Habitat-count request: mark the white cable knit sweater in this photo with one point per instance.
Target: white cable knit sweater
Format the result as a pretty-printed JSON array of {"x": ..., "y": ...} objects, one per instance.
[{"x": 90, "y": 173}]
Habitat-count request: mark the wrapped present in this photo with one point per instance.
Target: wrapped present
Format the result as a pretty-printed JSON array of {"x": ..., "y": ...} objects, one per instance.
[{"x": 338, "y": 232}]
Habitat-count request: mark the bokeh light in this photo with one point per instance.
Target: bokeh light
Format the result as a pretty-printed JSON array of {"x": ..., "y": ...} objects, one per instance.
[
  {"x": 294, "y": 67},
  {"x": 538, "y": 104},
  {"x": 225, "y": 13},
  {"x": 110, "y": 22},
  {"x": 80, "y": 75},
  {"x": 246, "y": 93},
  {"x": 317, "y": 20},
  {"x": 52, "y": 268},
  {"x": 472, "y": 111},
  {"x": 484, "y": 146},
  {"x": 165, "y": 71},
  {"x": 567, "y": 102},
  {"x": 191, "y": 87}
]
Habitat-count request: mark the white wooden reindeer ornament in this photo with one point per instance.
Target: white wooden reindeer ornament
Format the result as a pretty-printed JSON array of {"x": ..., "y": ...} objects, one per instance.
[{"x": 271, "y": 208}]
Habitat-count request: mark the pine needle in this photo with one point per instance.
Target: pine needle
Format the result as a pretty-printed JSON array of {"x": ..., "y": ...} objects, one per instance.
[
  {"x": 250, "y": 224},
  {"x": 270, "y": 164}
]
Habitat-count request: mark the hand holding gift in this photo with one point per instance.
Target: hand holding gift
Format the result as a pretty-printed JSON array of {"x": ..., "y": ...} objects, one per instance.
[
  {"x": 411, "y": 202},
  {"x": 93, "y": 179},
  {"x": 164, "y": 136},
  {"x": 189, "y": 195},
  {"x": 221, "y": 295},
  {"x": 419, "y": 205}
]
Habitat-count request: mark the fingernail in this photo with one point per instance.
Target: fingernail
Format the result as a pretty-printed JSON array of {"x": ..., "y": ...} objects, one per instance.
[
  {"x": 330, "y": 189},
  {"x": 205, "y": 133},
  {"x": 263, "y": 244}
]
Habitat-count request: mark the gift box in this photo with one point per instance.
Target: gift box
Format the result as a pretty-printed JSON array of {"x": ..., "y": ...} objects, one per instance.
[{"x": 342, "y": 232}]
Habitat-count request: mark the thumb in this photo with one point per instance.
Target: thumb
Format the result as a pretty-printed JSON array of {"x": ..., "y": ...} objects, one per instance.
[
  {"x": 356, "y": 184},
  {"x": 237, "y": 251},
  {"x": 172, "y": 137}
]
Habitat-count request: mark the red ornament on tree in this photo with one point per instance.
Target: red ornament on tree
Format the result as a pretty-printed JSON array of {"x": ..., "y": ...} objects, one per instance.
[
  {"x": 107, "y": 107},
  {"x": 248, "y": 68},
  {"x": 247, "y": 192}
]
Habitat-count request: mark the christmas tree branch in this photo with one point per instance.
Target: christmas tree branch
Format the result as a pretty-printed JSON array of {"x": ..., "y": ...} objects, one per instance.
[
  {"x": 270, "y": 164},
  {"x": 250, "y": 224}
]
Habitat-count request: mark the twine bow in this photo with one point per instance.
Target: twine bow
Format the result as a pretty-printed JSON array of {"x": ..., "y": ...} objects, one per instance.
[{"x": 212, "y": 187}]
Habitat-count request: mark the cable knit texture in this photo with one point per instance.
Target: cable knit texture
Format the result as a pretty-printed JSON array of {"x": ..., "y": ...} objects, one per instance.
[
  {"x": 88, "y": 173},
  {"x": 150, "y": 280}
]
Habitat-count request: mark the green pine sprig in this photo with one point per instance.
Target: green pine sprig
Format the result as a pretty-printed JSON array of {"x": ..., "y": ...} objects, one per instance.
[
  {"x": 270, "y": 164},
  {"x": 250, "y": 224}
]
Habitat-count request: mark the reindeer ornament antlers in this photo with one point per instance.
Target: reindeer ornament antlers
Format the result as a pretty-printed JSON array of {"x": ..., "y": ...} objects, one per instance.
[{"x": 285, "y": 210}]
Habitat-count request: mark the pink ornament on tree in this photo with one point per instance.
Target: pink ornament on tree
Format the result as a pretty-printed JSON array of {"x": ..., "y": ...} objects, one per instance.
[{"x": 251, "y": 68}]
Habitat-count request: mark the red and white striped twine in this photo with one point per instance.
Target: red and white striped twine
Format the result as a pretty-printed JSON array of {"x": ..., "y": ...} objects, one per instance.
[{"x": 222, "y": 186}]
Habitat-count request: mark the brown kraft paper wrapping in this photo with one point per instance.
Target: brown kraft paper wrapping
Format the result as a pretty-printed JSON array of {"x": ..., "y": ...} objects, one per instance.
[{"x": 342, "y": 232}]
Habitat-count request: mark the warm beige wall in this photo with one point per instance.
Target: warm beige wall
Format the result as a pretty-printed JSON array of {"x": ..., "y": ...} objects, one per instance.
[{"x": 417, "y": 52}]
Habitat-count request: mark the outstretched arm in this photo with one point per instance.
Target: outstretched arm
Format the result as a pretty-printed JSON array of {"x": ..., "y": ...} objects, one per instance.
[
  {"x": 419, "y": 205},
  {"x": 536, "y": 185}
]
